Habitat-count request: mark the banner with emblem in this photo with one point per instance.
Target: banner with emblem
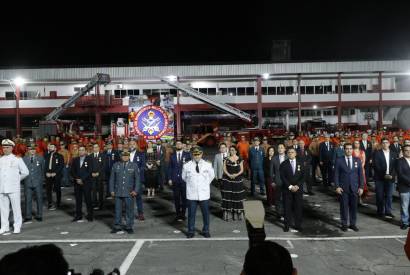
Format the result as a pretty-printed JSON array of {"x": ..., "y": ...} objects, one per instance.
[{"x": 151, "y": 117}]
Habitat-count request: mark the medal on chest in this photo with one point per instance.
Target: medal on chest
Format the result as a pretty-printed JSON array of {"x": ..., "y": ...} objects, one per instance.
[
  {"x": 85, "y": 164},
  {"x": 99, "y": 159},
  {"x": 299, "y": 167},
  {"x": 37, "y": 163},
  {"x": 56, "y": 161},
  {"x": 355, "y": 164}
]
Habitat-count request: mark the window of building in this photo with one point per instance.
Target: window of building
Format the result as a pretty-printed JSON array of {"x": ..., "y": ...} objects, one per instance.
[
  {"x": 319, "y": 89},
  {"x": 203, "y": 90},
  {"x": 280, "y": 90},
  {"x": 232, "y": 91},
  {"x": 250, "y": 91},
  {"x": 289, "y": 90},
  {"x": 302, "y": 90},
  {"x": 146, "y": 92},
  {"x": 211, "y": 91},
  {"x": 362, "y": 88},
  {"x": 352, "y": 111},
  {"x": 354, "y": 89},
  {"x": 272, "y": 90},
  {"x": 264, "y": 90},
  {"x": 173, "y": 92},
  {"x": 346, "y": 89},
  {"x": 327, "y": 89},
  {"x": 10, "y": 96},
  {"x": 310, "y": 90},
  {"x": 224, "y": 91},
  {"x": 241, "y": 91}
]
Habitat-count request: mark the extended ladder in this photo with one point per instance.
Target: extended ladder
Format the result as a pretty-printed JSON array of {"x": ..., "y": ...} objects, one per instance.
[
  {"x": 206, "y": 99},
  {"x": 98, "y": 79}
]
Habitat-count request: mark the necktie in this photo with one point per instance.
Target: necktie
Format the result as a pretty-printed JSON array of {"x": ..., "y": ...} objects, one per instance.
[
  {"x": 197, "y": 167},
  {"x": 349, "y": 164},
  {"x": 179, "y": 157},
  {"x": 50, "y": 163},
  {"x": 32, "y": 159}
]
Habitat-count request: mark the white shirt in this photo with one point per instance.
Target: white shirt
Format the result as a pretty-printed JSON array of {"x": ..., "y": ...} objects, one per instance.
[
  {"x": 408, "y": 161},
  {"x": 198, "y": 184},
  {"x": 281, "y": 158},
  {"x": 364, "y": 144},
  {"x": 12, "y": 171},
  {"x": 132, "y": 154},
  {"x": 387, "y": 156}
]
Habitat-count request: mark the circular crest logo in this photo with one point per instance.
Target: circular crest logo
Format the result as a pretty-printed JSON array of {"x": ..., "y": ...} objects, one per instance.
[{"x": 152, "y": 122}]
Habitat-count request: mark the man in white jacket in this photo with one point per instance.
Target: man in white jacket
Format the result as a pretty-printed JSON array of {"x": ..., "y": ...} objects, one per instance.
[
  {"x": 198, "y": 175},
  {"x": 12, "y": 171}
]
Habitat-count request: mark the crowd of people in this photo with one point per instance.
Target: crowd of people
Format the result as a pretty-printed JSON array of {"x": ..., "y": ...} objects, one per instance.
[{"x": 126, "y": 169}]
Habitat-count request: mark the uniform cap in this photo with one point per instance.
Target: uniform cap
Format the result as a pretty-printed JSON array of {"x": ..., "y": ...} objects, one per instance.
[
  {"x": 196, "y": 150},
  {"x": 7, "y": 142},
  {"x": 125, "y": 153},
  {"x": 31, "y": 146}
]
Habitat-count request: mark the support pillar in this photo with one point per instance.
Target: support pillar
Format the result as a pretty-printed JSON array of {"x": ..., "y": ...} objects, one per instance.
[
  {"x": 98, "y": 110},
  {"x": 18, "y": 123},
  {"x": 339, "y": 101},
  {"x": 178, "y": 115},
  {"x": 299, "y": 104},
  {"x": 380, "y": 111},
  {"x": 259, "y": 100}
]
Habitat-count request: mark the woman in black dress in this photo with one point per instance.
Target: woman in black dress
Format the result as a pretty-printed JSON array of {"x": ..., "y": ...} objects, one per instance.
[
  {"x": 269, "y": 170},
  {"x": 233, "y": 192},
  {"x": 151, "y": 170}
]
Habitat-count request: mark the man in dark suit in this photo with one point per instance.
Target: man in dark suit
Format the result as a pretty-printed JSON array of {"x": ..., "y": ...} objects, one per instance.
[
  {"x": 293, "y": 176},
  {"x": 160, "y": 152},
  {"x": 403, "y": 184},
  {"x": 111, "y": 156},
  {"x": 138, "y": 157},
  {"x": 349, "y": 181},
  {"x": 306, "y": 158},
  {"x": 325, "y": 160},
  {"x": 366, "y": 146},
  {"x": 98, "y": 176},
  {"x": 81, "y": 170},
  {"x": 396, "y": 146},
  {"x": 177, "y": 161},
  {"x": 256, "y": 158},
  {"x": 277, "y": 161},
  {"x": 384, "y": 175},
  {"x": 54, "y": 164}
]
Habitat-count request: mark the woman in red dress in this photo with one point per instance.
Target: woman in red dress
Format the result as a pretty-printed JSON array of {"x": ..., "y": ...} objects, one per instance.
[{"x": 362, "y": 156}]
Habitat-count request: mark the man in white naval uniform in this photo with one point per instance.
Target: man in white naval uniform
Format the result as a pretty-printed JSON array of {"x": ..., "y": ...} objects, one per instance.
[
  {"x": 198, "y": 175},
  {"x": 12, "y": 171}
]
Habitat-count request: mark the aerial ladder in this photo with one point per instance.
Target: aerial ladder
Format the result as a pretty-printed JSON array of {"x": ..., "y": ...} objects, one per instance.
[
  {"x": 223, "y": 107},
  {"x": 49, "y": 126}
]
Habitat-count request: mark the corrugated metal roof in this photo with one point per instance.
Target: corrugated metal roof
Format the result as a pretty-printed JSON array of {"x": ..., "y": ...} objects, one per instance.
[{"x": 192, "y": 71}]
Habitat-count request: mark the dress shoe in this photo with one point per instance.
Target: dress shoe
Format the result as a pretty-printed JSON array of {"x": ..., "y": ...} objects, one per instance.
[
  {"x": 390, "y": 215},
  {"x": 26, "y": 220},
  {"x": 40, "y": 219},
  {"x": 115, "y": 230},
  {"x": 310, "y": 193},
  {"x": 190, "y": 235},
  {"x": 130, "y": 231},
  {"x": 90, "y": 219},
  {"x": 141, "y": 217},
  {"x": 344, "y": 228},
  {"x": 354, "y": 228},
  {"x": 4, "y": 230},
  {"x": 206, "y": 234},
  {"x": 404, "y": 226},
  {"x": 286, "y": 228},
  {"x": 76, "y": 219},
  {"x": 298, "y": 228},
  {"x": 16, "y": 230}
]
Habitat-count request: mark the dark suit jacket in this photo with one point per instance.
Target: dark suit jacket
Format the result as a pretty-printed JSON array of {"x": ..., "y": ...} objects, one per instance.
[
  {"x": 287, "y": 176},
  {"x": 276, "y": 165},
  {"x": 83, "y": 172},
  {"x": 403, "y": 175},
  {"x": 350, "y": 180},
  {"x": 139, "y": 159},
  {"x": 394, "y": 149},
  {"x": 56, "y": 166},
  {"x": 325, "y": 155},
  {"x": 98, "y": 165},
  {"x": 110, "y": 159},
  {"x": 269, "y": 168},
  {"x": 380, "y": 165},
  {"x": 368, "y": 150},
  {"x": 305, "y": 158},
  {"x": 175, "y": 167}
]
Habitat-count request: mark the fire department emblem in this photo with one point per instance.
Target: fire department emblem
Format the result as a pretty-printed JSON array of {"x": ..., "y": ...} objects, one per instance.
[{"x": 152, "y": 122}]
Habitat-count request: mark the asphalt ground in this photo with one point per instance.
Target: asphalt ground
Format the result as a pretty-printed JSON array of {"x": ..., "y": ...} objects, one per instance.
[{"x": 159, "y": 245}]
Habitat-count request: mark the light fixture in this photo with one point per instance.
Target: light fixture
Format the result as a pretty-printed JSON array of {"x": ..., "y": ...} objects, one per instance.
[
  {"x": 265, "y": 76},
  {"x": 172, "y": 78},
  {"x": 314, "y": 106},
  {"x": 19, "y": 81}
]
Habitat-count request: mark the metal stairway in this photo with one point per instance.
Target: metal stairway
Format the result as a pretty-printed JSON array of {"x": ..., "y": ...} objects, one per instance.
[
  {"x": 223, "y": 107},
  {"x": 98, "y": 79}
]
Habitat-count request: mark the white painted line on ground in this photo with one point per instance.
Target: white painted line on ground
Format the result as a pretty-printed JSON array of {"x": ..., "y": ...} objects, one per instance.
[
  {"x": 294, "y": 256},
  {"x": 130, "y": 257},
  {"x": 400, "y": 241},
  {"x": 290, "y": 244},
  {"x": 204, "y": 239}
]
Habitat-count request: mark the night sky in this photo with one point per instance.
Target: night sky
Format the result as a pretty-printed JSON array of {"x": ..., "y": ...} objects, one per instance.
[{"x": 203, "y": 32}]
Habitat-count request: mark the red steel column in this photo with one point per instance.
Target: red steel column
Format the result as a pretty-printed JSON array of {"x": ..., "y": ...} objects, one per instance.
[
  {"x": 259, "y": 100},
  {"x": 339, "y": 101},
  {"x": 380, "y": 113},
  {"x": 18, "y": 125},
  {"x": 178, "y": 115},
  {"x": 299, "y": 104},
  {"x": 97, "y": 110}
]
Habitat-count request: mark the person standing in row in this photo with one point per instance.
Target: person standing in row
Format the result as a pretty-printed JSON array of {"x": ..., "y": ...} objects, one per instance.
[
  {"x": 349, "y": 181},
  {"x": 198, "y": 175},
  {"x": 33, "y": 183},
  {"x": 81, "y": 172},
  {"x": 12, "y": 171},
  {"x": 151, "y": 170},
  {"x": 233, "y": 192},
  {"x": 403, "y": 184},
  {"x": 269, "y": 170},
  {"x": 98, "y": 176},
  {"x": 293, "y": 176},
  {"x": 325, "y": 160},
  {"x": 178, "y": 185},
  {"x": 306, "y": 159},
  {"x": 65, "y": 179},
  {"x": 277, "y": 161},
  {"x": 137, "y": 156},
  {"x": 218, "y": 164},
  {"x": 54, "y": 164},
  {"x": 256, "y": 157},
  {"x": 124, "y": 185},
  {"x": 111, "y": 156},
  {"x": 159, "y": 150}
]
